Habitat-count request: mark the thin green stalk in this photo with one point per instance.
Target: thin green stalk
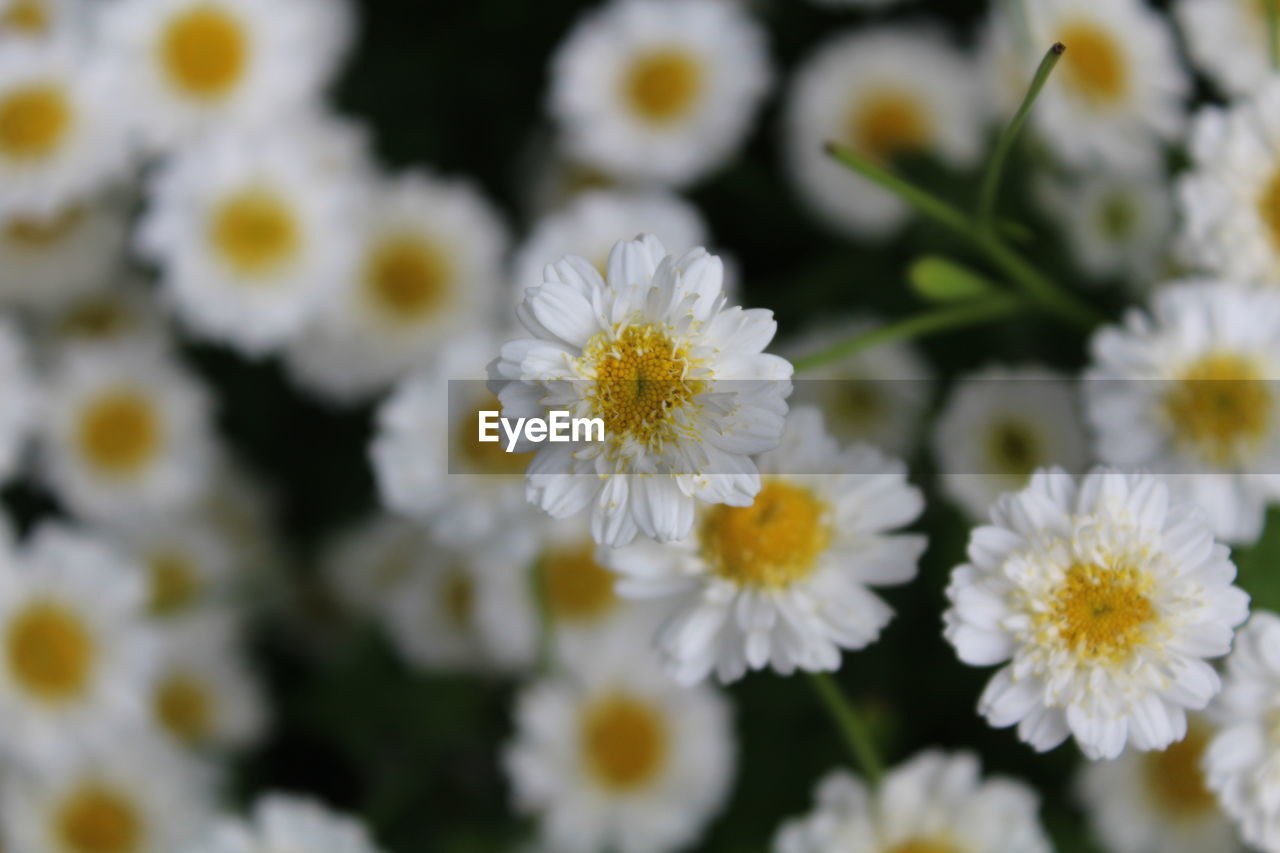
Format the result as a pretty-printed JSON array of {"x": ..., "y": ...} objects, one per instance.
[
  {"x": 931, "y": 322},
  {"x": 1273, "y": 32},
  {"x": 995, "y": 166},
  {"x": 923, "y": 201},
  {"x": 852, "y": 727}
]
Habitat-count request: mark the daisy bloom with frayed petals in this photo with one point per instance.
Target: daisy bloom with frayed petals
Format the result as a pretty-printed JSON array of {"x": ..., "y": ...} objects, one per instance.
[
  {"x": 934, "y": 803},
  {"x": 283, "y": 822},
  {"x": 1227, "y": 39},
  {"x": 659, "y": 90},
  {"x": 784, "y": 582},
  {"x": 711, "y": 397},
  {"x": 1103, "y": 598}
]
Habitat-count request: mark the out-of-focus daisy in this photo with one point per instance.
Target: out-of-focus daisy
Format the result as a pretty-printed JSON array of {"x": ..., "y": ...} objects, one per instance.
[
  {"x": 934, "y": 803},
  {"x": 48, "y": 261},
  {"x": 192, "y": 67},
  {"x": 784, "y": 582},
  {"x": 998, "y": 426},
  {"x": 252, "y": 234},
  {"x": 1103, "y": 598},
  {"x": 609, "y": 754},
  {"x": 124, "y": 313},
  {"x": 59, "y": 135},
  {"x": 1230, "y": 200},
  {"x": 430, "y": 264},
  {"x": 1157, "y": 802},
  {"x": 366, "y": 565},
  {"x": 125, "y": 795},
  {"x": 878, "y": 396},
  {"x": 885, "y": 93},
  {"x": 1118, "y": 92},
  {"x": 679, "y": 379},
  {"x": 41, "y": 19},
  {"x": 1228, "y": 41},
  {"x": 186, "y": 563},
  {"x": 1187, "y": 390},
  {"x": 282, "y": 822},
  {"x": 126, "y": 432},
  {"x": 19, "y": 400},
  {"x": 1242, "y": 762},
  {"x": 77, "y": 656},
  {"x": 659, "y": 90}
]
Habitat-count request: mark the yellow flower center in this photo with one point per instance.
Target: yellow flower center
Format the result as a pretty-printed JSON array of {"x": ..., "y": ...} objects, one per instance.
[
  {"x": 205, "y": 51},
  {"x": 1219, "y": 407},
  {"x": 640, "y": 383},
  {"x": 254, "y": 231},
  {"x": 26, "y": 16},
  {"x": 34, "y": 121},
  {"x": 487, "y": 457},
  {"x": 43, "y": 233},
  {"x": 1176, "y": 779},
  {"x": 772, "y": 543},
  {"x": 407, "y": 277},
  {"x": 663, "y": 85},
  {"x": 1269, "y": 209},
  {"x": 120, "y": 432},
  {"x": 1117, "y": 217},
  {"x": 184, "y": 706},
  {"x": 99, "y": 820},
  {"x": 924, "y": 845},
  {"x": 889, "y": 124},
  {"x": 458, "y": 598},
  {"x": 96, "y": 319},
  {"x": 1095, "y": 62},
  {"x": 859, "y": 403},
  {"x": 1102, "y": 612},
  {"x": 50, "y": 651},
  {"x": 625, "y": 741},
  {"x": 175, "y": 583},
  {"x": 576, "y": 586},
  {"x": 1013, "y": 448}
]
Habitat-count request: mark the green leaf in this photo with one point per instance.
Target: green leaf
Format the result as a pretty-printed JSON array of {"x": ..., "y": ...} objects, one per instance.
[{"x": 937, "y": 279}]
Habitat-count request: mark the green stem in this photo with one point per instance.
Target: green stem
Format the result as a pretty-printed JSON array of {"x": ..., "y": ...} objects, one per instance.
[
  {"x": 995, "y": 166},
  {"x": 851, "y": 726},
  {"x": 929, "y": 323},
  {"x": 1273, "y": 32},
  {"x": 923, "y": 201}
]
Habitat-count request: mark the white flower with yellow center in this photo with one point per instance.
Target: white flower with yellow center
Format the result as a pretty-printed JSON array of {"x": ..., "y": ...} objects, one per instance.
[
  {"x": 192, "y": 67},
  {"x": 186, "y": 563},
  {"x": 1188, "y": 391},
  {"x": 680, "y": 380},
  {"x": 60, "y": 139},
  {"x": 76, "y": 654},
  {"x": 283, "y": 823},
  {"x": 999, "y": 425},
  {"x": 20, "y": 400},
  {"x": 126, "y": 432},
  {"x": 430, "y": 264},
  {"x": 41, "y": 20},
  {"x": 1157, "y": 802},
  {"x": 1227, "y": 40},
  {"x": 1103, "y": 599},
  {"x": 609, "y": 754},
  {"x": 786, "y": 581},
  {"x": 886, "y": 93},
  {"x": 1117, "y": 94},
  {"x": 124, "y": 795},
  {"x": 124, "y": 313},
  {"x": 252, "y": 234},
  {"x": 936, "y": 802},
  {"x": 659, "y": 90},
  {"x": 1242, "y": 762},
  {"x": 1230, "y": 200},
  {"x": 366, "y": 565}
]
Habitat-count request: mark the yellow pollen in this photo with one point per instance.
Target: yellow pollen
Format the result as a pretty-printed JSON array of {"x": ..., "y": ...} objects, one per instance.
[
  {"x": 888, "y": 124},
  {"x": 923, "y": 845},
  {"x": 184, "y": 706},
  {"x": 175, "y": 583},
  {"x": 1095, "y": 62},
  {"x": 1220, "y": 407},
  {"x": 1176, "y": 779},
  {"x": 664, "y": 85},
  {"x": 1101, "y": 612},
  {"x": 458, "y": 595},
  {"x": 34, "y": 121},
  {"x": 50, "y": 652},
  {"x": 624, "y": 741},
  {"x": 407, "y": 277},
  {"x": 640, "y": 383},
  {"x": 1269, "y": 209},
  {"x": 205, "y": 51},
  {"x": 576, "y": 586},
  {"x": 99, "y": 820},
  {"x": 1014, "y": 449},
  {"x": 254, "y": 231},
  {"x": 43, "y": 233},
  {"x": 26, "y": 16},
  {"x": 772, "y": 543},
  {"x": 487, "y": 457},
  {"x": 119, "y": 432}
]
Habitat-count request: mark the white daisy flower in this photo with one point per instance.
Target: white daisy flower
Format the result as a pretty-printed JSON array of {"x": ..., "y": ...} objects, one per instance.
[
  {"x": 1230, "y": 200},
  {"x": 194, "y": 67},
  {"x": 126, "y": 432},
  {"x": 59, "y": 135},
  {"x": 784, "y": 582},
  {"x": 998, "y": 426},
  {"x": 1227, "y": 40},
  {"x": 610, "y": 755},
  {"x": 281, "y": 822},
  {"x": 935, "y": 803},
  {"x": 366, "y": 565},
  {"x": 1104, "y": 598},
  {"x": 712, "y": 398},
  {"x": 1157, "y": 802},
  {"x": 123, "y": 314},
  {"x": 430, "y": 263},
  {"x": 41, "y": 19},
  {"x": 20, "y": 400},
  {"x": 885, "y": 93},
  {"x": 1242, "y": 762},
  {"x": 878, "y": 396},
  {"x": 659, "y": 90},
  {"x": 252, "y": 234},
  {"x": 1210, "y": 420},
  {"x": 77, "y": 654},
  {"x": 123, "y": 796},
  {"x": 1117, "y": 94},
  {"x": 186, "y": 563}
]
